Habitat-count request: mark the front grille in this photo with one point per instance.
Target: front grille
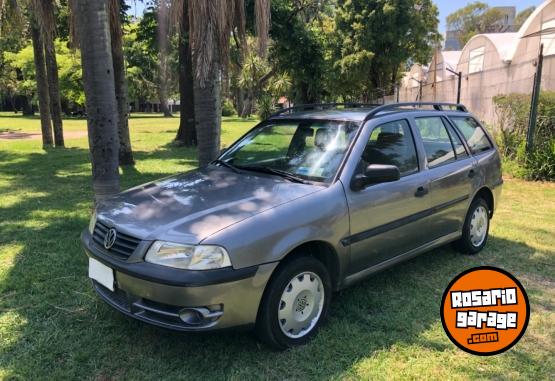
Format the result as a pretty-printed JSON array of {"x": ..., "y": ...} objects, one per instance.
[{"x": 124, "y": 245}]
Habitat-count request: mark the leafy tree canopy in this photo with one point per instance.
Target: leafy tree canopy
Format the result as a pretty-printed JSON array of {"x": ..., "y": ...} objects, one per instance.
[
  {"x": 475, "y": 18},
  {"x": 20, "y": 72},
  {"x": 373, "y": 40}
]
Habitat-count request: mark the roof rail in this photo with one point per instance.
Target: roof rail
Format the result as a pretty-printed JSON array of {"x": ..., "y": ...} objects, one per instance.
[
  {"x": 437, "y": 106},
  {"x": 376, "y": 108},
  {"x": 322, "y": 106}
]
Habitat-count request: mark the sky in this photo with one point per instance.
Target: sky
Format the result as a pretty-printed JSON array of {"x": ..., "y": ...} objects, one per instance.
[{"x": 445, "y": 6}]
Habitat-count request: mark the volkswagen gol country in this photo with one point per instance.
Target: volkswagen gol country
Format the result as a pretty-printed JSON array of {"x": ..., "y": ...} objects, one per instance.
[{"x": 307, "y": 203}]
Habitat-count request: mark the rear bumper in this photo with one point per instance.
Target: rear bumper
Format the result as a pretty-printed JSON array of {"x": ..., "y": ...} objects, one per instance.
[{"x": 223, "y": 299}]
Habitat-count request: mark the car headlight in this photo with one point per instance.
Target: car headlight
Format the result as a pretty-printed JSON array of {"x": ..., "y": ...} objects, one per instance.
[
  {"x": 92, "y": 222},
  {"x": 189, "y": 257}
]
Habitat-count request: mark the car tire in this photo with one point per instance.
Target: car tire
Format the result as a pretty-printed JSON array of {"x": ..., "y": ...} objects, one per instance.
[
  {"x": 295, "y": 303},
  {"x": 476, "y": 228}
]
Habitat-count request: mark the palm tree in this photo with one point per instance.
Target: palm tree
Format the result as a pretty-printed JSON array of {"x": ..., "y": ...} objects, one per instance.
[
  {"x": 42, "y": 85},
  {"x": 12, "y": 13},
  {"x": 186, "y": 134},
  {"x": 125, "y": 151},
  {"x": 211, "y": 24},
  {"x": 98, "y": 78},
  {"x": 44, "y": 11},
  {"x": 163, "y": 64}
]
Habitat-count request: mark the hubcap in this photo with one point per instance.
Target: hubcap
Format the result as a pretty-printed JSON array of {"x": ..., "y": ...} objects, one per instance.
[
  {"x": 479, "y": 226},
  {"x": 301, "y": 305}
]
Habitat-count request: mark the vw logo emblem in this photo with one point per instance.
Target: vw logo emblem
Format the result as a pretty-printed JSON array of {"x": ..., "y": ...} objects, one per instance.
[{"x": 110, "y": 238}]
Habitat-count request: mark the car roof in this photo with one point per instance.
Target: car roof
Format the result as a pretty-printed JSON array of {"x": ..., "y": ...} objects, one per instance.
[{"x": 364, "y": 112}]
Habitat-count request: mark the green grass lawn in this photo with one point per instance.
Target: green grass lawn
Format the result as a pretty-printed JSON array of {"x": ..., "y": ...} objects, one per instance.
[{"x": 52, "y": 326}]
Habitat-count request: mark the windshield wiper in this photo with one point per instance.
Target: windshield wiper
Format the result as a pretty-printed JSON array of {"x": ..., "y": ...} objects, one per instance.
[
  {"x": 286, "y": 175},
  {"x": 227, "y": 165}
]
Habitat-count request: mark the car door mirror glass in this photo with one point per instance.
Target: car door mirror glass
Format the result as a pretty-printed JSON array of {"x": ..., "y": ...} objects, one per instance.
[{"x": 376, "y": 174}]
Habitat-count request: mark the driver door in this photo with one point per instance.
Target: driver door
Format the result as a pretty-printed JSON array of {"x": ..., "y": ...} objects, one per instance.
[{"x": 388, "y": 219}]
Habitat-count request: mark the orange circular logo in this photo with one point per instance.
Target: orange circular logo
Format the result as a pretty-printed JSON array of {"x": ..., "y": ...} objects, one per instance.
[{"x": 485, "y": 311}]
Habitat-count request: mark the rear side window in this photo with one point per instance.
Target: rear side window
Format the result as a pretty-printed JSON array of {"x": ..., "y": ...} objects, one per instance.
[
  {"x": 392, "y": 144},
  {"x": 473, "y": 133},
  {"x": 436, "y": 140}
]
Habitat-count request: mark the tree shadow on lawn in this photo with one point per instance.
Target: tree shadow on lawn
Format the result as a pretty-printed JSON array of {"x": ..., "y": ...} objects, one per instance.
[{"x": 65, "y": 331}]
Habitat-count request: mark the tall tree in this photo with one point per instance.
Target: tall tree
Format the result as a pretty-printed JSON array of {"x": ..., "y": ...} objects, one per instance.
[
  {"x": 208, "y": 28},
  {"x": 42, "y": 86},
  {"x": 154, "y": 32},
  {"x": 98, "y": 77},
  {"x": 186, "y": 134},
  {"x": 376, "y": 39},
  {"x": 298, "y": 48},
  {"x": 44, "y": 9},
  {"x": 475, "y": 18},
  {"x": 125, "y": 151},
  {"x": 211, "y": 23},
  {"x": 164, "y": 67}
]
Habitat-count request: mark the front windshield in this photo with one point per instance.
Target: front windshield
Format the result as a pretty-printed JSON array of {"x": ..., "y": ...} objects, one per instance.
[{"x": 309, "y": 149}]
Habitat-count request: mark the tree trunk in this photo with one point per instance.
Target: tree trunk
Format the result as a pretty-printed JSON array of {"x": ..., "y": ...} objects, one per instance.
[
  {"x": 125, "y": 150},
  {"x": 163, "y": 86},
  {"x": 27, "y": 106},
  {"x": 42, "y": 86},
  {"x": 248, "y": 104},
  {"x": 208, "y": 115},
  {"x": 98, "y": 79},
  {"x": 186, "y": 134},
  {"x": 54, "y": 91}
]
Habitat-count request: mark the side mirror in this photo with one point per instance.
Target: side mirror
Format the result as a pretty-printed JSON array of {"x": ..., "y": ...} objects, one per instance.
[{"x": 375, "y": 174}]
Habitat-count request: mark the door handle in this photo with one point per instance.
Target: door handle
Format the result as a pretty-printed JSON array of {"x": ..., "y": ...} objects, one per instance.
[
  {"x": 471, "y": 173},
  {"x": 421, "y": 192}
]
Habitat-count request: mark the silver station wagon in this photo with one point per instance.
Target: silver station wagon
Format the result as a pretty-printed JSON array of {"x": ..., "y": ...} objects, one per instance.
[{"x": 307, "y": 203}]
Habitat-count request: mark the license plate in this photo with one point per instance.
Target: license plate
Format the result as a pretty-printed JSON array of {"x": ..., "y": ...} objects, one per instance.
[{"x": 101, "y": 273}]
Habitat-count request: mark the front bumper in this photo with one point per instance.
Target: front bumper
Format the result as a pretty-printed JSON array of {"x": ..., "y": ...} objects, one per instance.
[{"x": 158, "y": 295}]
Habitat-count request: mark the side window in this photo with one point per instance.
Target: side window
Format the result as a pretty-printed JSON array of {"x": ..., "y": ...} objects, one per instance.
[
  {"x": 473, "y": 133},
  {"x": 436, "y": 140},
  {"x": 392, "y": 144}
]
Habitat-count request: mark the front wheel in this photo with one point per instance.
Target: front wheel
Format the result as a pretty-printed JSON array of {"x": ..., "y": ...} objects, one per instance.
[
  {"x": 476, "y": 228},
  {"x": 295, "y": 303}
]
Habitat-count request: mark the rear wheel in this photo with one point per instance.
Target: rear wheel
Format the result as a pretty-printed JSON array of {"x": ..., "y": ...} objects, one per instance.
[
  {"x": 295, "y": 303},
  {"x": 476, "y": 228}
]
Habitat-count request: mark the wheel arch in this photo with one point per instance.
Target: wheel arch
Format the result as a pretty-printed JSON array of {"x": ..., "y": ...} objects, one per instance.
[
  {"x": 487, "y": 195},
  {"x": 322, "y": 251}
]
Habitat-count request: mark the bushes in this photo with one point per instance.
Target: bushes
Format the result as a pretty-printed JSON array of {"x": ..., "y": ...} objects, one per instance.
[
  {"x": 510, "y": 131},
  {"x": 265, "y": 106},
  {"x": 227, "y": 108}
]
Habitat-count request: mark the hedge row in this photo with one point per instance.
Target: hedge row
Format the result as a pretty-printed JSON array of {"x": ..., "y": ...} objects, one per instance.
[{"x": 511, "y": 128}]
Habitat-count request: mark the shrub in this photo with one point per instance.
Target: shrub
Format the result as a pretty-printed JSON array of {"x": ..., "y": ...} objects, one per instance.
[
  {"x": 265, "y": 106},
  {"x": 227, "y": 108},
  {"x": 510, "y": 132}
]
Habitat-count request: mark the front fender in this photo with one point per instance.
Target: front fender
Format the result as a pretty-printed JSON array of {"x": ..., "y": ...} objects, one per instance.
[{"x": 271, "y": 235}]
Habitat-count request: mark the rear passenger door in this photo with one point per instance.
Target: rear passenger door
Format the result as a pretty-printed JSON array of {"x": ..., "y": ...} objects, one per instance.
[{"x": 450, "y": 169}]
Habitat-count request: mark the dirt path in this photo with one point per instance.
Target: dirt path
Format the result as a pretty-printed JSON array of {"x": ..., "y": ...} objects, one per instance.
[{"x": 13, "y": 135}]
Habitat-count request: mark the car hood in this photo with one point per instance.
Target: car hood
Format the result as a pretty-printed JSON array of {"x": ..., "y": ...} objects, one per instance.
[{"x": 189, "y": 207}]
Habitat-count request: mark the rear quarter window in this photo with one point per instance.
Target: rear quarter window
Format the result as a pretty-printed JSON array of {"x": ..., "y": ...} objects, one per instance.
[{"x": 473, "y": 133}]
